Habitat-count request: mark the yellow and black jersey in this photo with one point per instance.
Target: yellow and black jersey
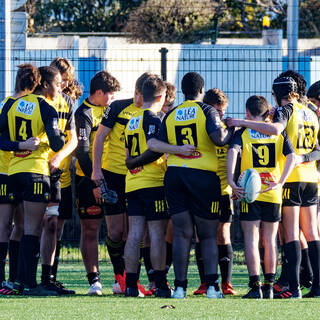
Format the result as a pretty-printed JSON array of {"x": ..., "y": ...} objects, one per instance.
[
  {"x": 302, "y": 127},
  {"x": 87, "y": 118},
  {"x": 222, "y": 168},
  {"x": 191, "y": 123},
  {"x": 265, "y": 154},
  {"x": 116, "y": 118},
  {"x": 143, "y": 126},
  {"x": 65, "y": 109},
  {"x": 5, "y": 155},
  {"x": 31, "y": 116}
]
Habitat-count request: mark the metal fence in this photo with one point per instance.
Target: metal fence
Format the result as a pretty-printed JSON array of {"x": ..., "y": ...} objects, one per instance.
[{"x": 240, "y": 71}]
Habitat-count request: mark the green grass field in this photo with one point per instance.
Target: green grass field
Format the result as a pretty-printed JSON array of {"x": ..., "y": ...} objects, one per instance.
[{"x": 108, "y": 306}]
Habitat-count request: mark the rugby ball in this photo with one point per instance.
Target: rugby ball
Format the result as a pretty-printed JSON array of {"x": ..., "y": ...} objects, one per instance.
[{"x": 250, "y": 181}]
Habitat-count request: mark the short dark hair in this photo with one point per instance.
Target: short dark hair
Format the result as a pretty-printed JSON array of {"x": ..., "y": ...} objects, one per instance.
[
  {"x": 104, "y": 81},
  {"x": 314, "y": 91},
  {"x": 152, "y": 88},
  {"x": 299, "y": 79},
  {"x": 192, "y": 84},
  {"x": 47, "y": 74},
  {"x": 215, "y": 97},
  {"x": 142, "y": 79},
  {"x": 27, "y": 78},
  {"x": 258, "y": 106}
]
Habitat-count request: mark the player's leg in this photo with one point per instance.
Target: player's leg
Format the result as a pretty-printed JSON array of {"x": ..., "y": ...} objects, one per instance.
[
  {"x": 306, "y": 274},
  {"x": 251, "y": 248},
  {"x": 169, "y": 240},
  {"x": 203, "y": 287},
  {"x": 308, "y": 222}
]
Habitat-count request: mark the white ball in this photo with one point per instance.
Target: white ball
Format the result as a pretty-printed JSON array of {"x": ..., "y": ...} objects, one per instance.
[{"x": 250, "y": 181}]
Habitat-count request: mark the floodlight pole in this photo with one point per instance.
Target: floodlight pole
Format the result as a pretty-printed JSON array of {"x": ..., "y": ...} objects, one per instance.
[
  {"x": 292, "y": 33},
  {"x": 5, "y": 48}
]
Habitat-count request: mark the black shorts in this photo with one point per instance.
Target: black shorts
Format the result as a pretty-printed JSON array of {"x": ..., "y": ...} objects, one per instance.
[
  {"x": 149, "y": 203},
  {"x": 260, "y": 210},
  {"x": 86, "y": 203},
  {"x": 31, "y": 187},
  {"x": 66, "y": 204},
  {"x": 193, "y": 190},
  {"x": 55, "y": 187},
  {"x": 226, "y": 209},
  {"x": 117, "y": 183},
  {"x": 6, "y": 190},
  {"x": 301, "y": 194}
]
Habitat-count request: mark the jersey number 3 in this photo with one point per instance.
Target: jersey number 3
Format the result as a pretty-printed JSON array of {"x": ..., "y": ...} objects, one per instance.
[
  {"x": 23, "y": 129},
  {"x": 186, "y": 135},
  {"x": 263, "y": 155}
]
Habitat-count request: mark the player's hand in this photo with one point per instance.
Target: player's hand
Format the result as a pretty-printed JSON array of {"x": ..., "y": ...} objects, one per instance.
[
  {"x": 31, "y": 144},
  {"x": 238, "y": 192},
  {"x": 54, "y": 162},
  {"x": 297, "y": 160},
  {"x": 272, "y": 186},
  {"x": 130, "y": 162},
  {"x": 187, "y": 149},
  {"x": 97, "y": 194},
  {"x": 233, "y": 122},
  {"x": 97, "y": 176}
]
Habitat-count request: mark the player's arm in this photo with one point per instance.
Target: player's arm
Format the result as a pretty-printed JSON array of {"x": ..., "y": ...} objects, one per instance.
[
  {"x": 6, "y": 144},
  {"x": 83, "y": 129},
  {"x": 288, "y": 151},
  {"x": 232, "y": 157},
  {"x": 97, "y": 151},
  {"x": 50, "y": 120}
]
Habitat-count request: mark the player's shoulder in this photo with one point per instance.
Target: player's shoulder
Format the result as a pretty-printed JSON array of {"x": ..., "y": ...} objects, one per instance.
[
  {"x": 119, "y": 105},
  {"x": 83, "y": 109},
  {"x": 7, "y": 102},
  {"x": 67, "y": 99}
]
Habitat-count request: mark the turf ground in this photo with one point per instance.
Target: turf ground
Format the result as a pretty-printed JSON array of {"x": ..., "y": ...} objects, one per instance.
[{"x": 108, "y": 306}]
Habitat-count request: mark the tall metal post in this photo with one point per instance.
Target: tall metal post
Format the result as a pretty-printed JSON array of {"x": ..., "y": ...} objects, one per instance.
[
  {"x": 5, "y": 48},
  {"x": 163, "y": 52},
  {"x": 292, "y": 33}
]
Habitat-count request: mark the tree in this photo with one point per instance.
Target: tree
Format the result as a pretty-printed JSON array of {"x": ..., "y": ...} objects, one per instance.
[{"x": 182, "y": 21}]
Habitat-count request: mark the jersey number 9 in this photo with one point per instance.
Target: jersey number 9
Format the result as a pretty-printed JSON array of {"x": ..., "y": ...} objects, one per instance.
[{"x": 263, "y": 155}]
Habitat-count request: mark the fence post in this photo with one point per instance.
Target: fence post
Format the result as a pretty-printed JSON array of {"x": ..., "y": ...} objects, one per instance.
[
  {"x": 163, "y": 52},
  {"x": 5, "y": 48}
]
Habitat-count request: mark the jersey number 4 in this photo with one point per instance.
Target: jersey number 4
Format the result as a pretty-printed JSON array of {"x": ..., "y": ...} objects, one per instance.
[
  {"x": 263, "y": 155},
  {"x": 23, "y": 129}
]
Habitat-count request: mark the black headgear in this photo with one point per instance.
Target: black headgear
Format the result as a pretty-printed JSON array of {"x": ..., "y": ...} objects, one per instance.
[{"x": 282, "y": 86}]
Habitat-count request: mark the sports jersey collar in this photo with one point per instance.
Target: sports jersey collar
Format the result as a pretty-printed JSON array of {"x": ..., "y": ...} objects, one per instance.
[{"x": 88, "y": 104}]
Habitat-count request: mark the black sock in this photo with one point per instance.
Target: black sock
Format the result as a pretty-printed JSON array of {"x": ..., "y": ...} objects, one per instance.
[
  {"x": 20, "y": 268},
  {"x": 283, "y": 279},
  {"x": 314, "y": 254},
  {"x": 45, "y": 275},
  {"x": 179, "y": 283},
  {"x": 140, "y": 260},
  {"x": 93, "y": 277},
  {"x": 3, "y": 256},
  {"x": 200, "y": 262},
  {"x": 293, "y": 254},
  {"x": 254, "y": 282},
  {"x": 225, "y": 261},
  {"x": 13, "y": 259},
  {"x": 160, "y": 277},
  {"x": 131, "y": 280},
  {"x": 268, "y": 280},
  {"x": 168, "y": 256},
  {"x": 115, "y": 250},
  {"x": 306, "y": 273},
  {"x": 212, "y": 280},
  {"x": 31, "y": 248},
  {"x": 54, "y": 268},
  {"x": 261, "y": 253},
  {"x": 147, "y": 263}
]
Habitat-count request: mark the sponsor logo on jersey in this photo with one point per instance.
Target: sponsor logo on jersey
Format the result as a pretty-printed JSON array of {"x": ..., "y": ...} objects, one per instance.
[
  {"x": 55, "y": 123},
  {"x": 266, "y": 177},
  {"x": 22, "y": 154},
  {"x": 136, "y": 170},
  {"x": 134, "y": 123},
  {"x": 152, "y": 129},
  {"x": 82, "y": 134},
  {"x": 306, "y": 115},
  {"x": 93, "y": 210},
  {"x": 26, "y": 107},
  {"x": 185, "y": 114},
  {"x": 194, "y": 155},
  {"x": 106, "y": 113},
  {"x": 257, "y": 135}
]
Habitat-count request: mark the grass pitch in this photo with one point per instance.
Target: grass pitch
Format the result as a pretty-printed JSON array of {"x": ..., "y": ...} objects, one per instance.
[{"x": 109, "y": 306}]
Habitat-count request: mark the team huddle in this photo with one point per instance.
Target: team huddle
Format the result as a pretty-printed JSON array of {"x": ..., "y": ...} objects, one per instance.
[{"x": 159, "y": 175}]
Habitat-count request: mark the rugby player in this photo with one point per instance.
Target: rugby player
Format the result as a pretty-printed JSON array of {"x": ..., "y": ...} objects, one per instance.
[
  {"x": 27, "y": 79},
  {"x": 109, "y": 164},
  {"x": 33, "y": 116},
  {"x": 299, "y": 206},
  {"x": 88, "y": 116},
  {"x": 217, "y": 98},
  {"x": 192, "y": 187},
  {"x": 264, "y": 154},
  {"x": 59, "y": 164}
]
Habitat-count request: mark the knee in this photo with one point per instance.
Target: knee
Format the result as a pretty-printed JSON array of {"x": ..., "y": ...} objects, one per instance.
[
  {"x": 115, "y": 234},
  {"x": 51, "y": 225},
  {"x": 89, "y": 233},
  {"x": 223, "y": 234}
]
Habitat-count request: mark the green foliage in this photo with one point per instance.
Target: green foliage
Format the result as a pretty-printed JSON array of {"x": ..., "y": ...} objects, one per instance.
[{"x": 184, "y": 21}]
